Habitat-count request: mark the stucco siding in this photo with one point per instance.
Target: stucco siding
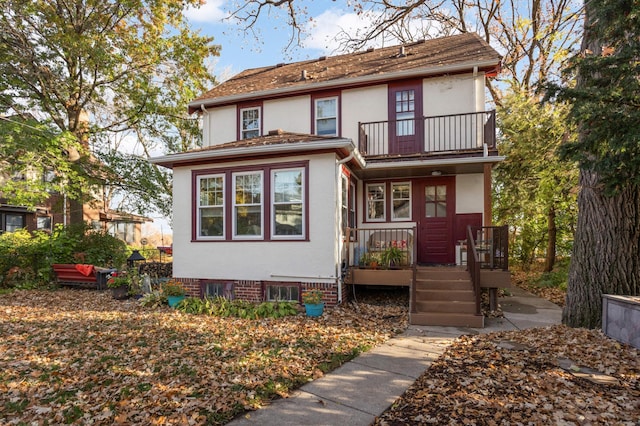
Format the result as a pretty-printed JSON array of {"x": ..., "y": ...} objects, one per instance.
[
  {"x": 314, "y": 260},
  {"x": 220, "y": 126},
  {"x": 470, "y": 193},
  {"x": 449, "y": 95},
  {"x": 363, "y": 105},
  {"x": 290, "y": 114}
]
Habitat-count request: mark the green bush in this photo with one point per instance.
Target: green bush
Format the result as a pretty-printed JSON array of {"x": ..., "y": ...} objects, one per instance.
[
  {"x": 558, "y": 278},
  {"x": 222, "y": 307},
  {"x": 26, "y": 259}
]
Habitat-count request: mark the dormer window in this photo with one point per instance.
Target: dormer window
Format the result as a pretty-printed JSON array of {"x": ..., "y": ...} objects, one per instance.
[
  {"x": 326, "y": 116},
  {"x": 249, "y": 122}
]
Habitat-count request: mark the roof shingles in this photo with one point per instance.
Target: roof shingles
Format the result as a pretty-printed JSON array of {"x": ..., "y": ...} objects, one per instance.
[{"x": 427, "y": 54}]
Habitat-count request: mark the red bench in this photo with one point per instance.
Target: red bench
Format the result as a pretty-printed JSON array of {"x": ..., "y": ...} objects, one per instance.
[{"x": 72, "y": 274}]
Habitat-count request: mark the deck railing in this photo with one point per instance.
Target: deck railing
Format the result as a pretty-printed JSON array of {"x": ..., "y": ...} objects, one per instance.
[
  {"x": 487, "y": 248},
  {"x": 492, "y": 245},
  {"x": 372, "y": 247},
  {"x": 473, "y": 265},
  {"x": 436, "y": 134}
]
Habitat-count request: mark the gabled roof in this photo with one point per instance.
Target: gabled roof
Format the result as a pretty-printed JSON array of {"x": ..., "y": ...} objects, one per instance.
[
  {"x": 277, "y": 142},
  {"x": 458, "y": 53}
]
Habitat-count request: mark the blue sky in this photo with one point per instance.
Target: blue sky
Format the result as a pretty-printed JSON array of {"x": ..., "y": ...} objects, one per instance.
[{"x": 241, "y": 51}]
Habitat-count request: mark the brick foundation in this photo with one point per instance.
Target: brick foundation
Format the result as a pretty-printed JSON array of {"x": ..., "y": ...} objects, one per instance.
[{"x": 255, "y": 291}]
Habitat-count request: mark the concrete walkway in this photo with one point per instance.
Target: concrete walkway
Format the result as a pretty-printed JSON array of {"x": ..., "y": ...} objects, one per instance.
[{"x": 365, "y": 387}]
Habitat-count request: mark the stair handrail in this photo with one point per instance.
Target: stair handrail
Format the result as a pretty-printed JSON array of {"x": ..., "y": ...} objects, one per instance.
[
  {"x": 473, "y": 265},
  {"x": 414, "y": 261}
]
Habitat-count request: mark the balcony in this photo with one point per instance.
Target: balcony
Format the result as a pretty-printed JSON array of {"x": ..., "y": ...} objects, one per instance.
[{"x": 469, "y": 133}]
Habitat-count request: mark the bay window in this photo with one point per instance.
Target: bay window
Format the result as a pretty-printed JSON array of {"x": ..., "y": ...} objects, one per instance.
[
  {"x": 211, "y": 206},
  {"x": 288, "y": 207},
  {"x": 247, "y": 205},
  {"x": 254, "y": 203}
]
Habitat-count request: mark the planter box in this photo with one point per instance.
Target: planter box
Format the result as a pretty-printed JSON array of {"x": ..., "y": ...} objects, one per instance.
[
  {"x": 621, "y": 318},
  {"x": 395, "y": 277}
]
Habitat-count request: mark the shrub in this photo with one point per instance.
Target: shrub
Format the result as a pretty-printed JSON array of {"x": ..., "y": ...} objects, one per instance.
[
  {"x": 222, "y": 307},
  {"x": 26, "y": 259}
]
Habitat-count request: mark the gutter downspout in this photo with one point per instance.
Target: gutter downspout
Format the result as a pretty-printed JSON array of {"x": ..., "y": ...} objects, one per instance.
[
  {"x": 205, "y": 125},
  {"x": 338, "y": 207}
]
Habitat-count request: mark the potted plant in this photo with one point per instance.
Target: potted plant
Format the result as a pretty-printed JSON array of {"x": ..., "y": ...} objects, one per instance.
[
  {"x": 392, "y": 257},
  {"x": 313, "y": 304},
  {"x": 174, "y": 292},
  {"x": 368, "y": 260},
  {"x": 118, "y": 282}
]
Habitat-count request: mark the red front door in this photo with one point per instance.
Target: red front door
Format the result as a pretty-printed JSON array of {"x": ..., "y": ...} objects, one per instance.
[
  {"x": 435, "y": 213},
  {"x": 405, "y": 117}
]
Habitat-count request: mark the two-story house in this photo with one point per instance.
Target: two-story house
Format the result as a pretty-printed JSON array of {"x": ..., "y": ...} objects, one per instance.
[{"x": 311, "y": 170}]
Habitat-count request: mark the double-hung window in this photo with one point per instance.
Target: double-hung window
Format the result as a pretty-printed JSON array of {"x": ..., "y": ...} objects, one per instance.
[
  {"x": 344, "y": 203},
  {"x": 211, "y": 207},
  {"x": 264, "y": 203},
  {"x": 401, "y": 201},
  {"x": 326, "y": 116},
  {"x": 288, "y": 203},
  {"x": 248, "y": 205},
  {"x": 249, "y": 122},
  {"x": 376, "y": 211}
]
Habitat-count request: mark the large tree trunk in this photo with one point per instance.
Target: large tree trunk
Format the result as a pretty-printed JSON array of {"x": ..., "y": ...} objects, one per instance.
[
  {"x": 552, "y": 237},
  {"x": 606, "y": 251}
]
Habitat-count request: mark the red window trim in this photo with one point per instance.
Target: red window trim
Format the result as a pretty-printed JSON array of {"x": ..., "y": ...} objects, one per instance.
[
  {"x": 323, "y": 95},
  {"x": 228, "y": 193},
  {"x": 248, "y": 105},
  {"x": 387, "y": 201}
]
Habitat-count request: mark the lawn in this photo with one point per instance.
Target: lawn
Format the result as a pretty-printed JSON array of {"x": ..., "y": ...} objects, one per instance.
[{"x": 79, "y": 356}]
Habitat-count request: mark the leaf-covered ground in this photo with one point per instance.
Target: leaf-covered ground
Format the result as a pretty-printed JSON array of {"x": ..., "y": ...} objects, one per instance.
[
  {"x": 74, "y": 356},
  {"x": 526, "y": 280},
  {"x": 546, "y": 376}
]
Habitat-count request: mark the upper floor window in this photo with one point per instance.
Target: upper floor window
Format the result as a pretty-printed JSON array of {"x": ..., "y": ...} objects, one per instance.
[
  {"x": 249, "y": 122},
  {"x": 211, "y": 206},
  {"x": 326, "y": 116}
]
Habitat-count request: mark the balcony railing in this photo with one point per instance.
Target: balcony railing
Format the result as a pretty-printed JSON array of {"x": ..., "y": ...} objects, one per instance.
[{"x": 428, "y": 135}]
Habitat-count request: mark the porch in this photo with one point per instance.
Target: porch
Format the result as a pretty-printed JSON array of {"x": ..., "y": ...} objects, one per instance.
[
  {"x": 448, "y": 295},
  {"x": 471, "y": 133}
]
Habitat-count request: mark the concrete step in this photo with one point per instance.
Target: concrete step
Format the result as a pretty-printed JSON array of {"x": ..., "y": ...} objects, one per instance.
[
  {"x": 445, "y": 295},
  {"x": 447, "y": 319},
  {"x": 454, "y": 307},
  {"x": 426, "y": 284}
]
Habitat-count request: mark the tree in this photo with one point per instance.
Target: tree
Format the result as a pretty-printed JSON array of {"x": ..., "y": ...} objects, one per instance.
[
  {"x": 533, "y": 36},
  {"x": 535, "y": 190},
  {"x": 91, "y": 71},
  {"x": 605, "y": 104}
]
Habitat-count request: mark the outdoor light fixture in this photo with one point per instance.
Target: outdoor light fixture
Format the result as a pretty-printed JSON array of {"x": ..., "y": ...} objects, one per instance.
[
  {"x": 135, "y": 257},
  {"x": 436, "y": 173}
]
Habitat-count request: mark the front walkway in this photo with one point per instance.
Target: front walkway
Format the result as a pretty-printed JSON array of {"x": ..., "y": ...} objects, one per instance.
[{"x": 365, "y": 387}]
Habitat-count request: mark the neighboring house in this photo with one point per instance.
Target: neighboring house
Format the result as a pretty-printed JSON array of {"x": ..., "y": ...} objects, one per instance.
[
  {"x": 125, "y": 226},
  {"x": 311, "y": 168}
]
